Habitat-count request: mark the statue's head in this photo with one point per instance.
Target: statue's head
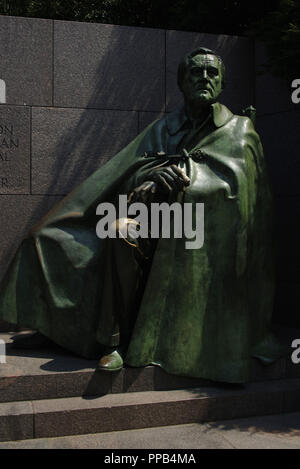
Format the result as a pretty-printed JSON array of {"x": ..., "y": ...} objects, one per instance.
[{"x": 201, "y": 76}]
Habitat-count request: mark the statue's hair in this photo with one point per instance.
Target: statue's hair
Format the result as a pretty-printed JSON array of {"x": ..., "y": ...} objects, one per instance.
[{"x": 187, "y": 60}]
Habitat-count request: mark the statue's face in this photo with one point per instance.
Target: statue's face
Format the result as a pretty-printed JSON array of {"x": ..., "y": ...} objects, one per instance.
[{"x": 203, "y": 79}]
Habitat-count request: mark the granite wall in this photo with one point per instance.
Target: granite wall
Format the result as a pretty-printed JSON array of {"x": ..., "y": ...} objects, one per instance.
[
  {"x": 278, "y": 123},
  {"x": 73, "y": 94}
]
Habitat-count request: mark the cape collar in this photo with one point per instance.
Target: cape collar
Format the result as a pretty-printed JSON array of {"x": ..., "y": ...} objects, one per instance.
[{"x": 175, "y": 120}]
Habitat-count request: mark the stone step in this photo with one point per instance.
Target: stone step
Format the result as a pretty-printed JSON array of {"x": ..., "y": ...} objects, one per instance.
[
  {"x": 126, "y": 411},
  {"x": 55, "y": 373},
  {"x": 280, "y": 431}
]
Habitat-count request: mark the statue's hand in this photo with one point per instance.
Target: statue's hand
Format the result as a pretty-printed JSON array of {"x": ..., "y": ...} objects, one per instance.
[
  {"x": 162, "y": 179},
  {"x": 169, "y": 178},
  {"x": 143, "y": 193}
]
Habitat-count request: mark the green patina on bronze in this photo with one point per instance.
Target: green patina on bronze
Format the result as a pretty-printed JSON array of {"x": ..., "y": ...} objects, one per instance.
[{"x": 204, "y": 312}]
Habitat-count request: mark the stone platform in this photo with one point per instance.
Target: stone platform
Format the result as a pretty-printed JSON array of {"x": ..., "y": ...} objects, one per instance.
[{"x": 54, "y": 393}]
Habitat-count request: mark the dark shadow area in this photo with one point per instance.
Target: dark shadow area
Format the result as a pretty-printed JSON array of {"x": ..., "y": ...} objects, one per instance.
[
  {"x": 99, "y": 385},
  {"x": 284, "y": 425},
  {"x": 61, "y": 360},
  {"x": 287, "y": 296},
  {"x": 279, "y": 133}
]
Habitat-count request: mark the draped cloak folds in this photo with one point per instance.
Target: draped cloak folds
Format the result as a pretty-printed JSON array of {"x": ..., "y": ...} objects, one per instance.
[{"x": 204, "y": 312}]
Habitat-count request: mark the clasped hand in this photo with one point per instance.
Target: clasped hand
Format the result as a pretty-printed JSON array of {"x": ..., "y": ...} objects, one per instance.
[{"x": 164, "y": 179}]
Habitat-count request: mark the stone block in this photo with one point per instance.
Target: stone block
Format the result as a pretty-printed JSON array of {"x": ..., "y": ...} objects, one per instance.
[
  {"x": 108, "y": 67},
  {"x": 71, "y": 416},
  {"x": 115, "y": 412},
  {"x": 16, "y": 421},
  {"x": 14, "y": 150},
  {"x": 83, "y": 383},
  {"x": 70, "y": 144},
  {"x": 139, "y": 379},
  {"x": 17, "y": 214},
  {"x": 26, "y": 60},
  {"x": 273, "y": 94},
  {"x": 237, "y": 54},
  {"x": 280, "y": 138}
]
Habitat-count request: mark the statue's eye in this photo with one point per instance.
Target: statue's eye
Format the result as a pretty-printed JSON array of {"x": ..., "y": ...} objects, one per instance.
[
  {"x": 212, "y": 72},
  {"x": 196, "y": 71}
]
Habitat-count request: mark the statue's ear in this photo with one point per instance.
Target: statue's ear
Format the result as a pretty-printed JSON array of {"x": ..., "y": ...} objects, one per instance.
[{"x": 250, "y": 112}]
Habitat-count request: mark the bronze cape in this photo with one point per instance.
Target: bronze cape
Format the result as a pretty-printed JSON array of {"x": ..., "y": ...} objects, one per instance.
[{"x": 204, "y": 312}]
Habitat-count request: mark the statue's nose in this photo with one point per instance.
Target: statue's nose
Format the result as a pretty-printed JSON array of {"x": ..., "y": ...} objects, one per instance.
[{"x": 203, "y": 75}]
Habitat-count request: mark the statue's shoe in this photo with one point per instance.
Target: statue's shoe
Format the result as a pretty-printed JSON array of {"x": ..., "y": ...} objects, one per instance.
[
  {"x": 34, "y": 340},
  {"x": 111, "y": 362}
]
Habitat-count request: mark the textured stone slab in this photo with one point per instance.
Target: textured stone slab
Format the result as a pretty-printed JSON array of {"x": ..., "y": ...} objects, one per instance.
[
  {"x": 108, "y": 67},
  {"x": 280, "y": 138},
  {"x": 17, "y": 214},
  {"x": 237, "y": 54},
  {"x": 16, "y": 421},
  {"x": 26, "y": 60},
  {"x": 281, "y": 431},
  {"x": 148, "y": 409},
  {"x": 70, "y": 144},
  {"x": 273, "y": 94},
  {"x": 189, "y": 436},
  {"x": 115, "y": 412},
  {"x": 14, "y": 150}
]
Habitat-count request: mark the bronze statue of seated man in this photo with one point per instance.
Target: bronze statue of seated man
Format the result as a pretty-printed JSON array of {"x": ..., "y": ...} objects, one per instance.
[{"x": 196, "y": 312}]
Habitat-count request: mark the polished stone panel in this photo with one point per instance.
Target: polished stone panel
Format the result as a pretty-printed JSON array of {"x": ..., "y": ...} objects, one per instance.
[
  {"x": 70, "y": 144},
  {"x": 26, "y": 60},
  {"x": 108, "y": 67},
  {"x": 16, "y": 421}
]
